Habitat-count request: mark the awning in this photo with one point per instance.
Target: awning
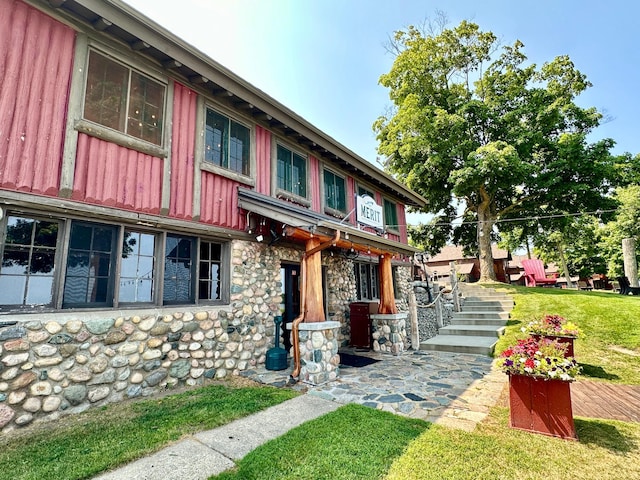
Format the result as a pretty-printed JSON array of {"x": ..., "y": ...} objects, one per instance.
[{"x": 308, "y": 222}]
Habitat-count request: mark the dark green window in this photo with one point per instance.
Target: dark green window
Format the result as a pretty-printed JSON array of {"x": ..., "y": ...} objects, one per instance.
[
  {"x": 335, "y": 196},
  {"x": 292, "y": 172},
  {"x": 28, "y": 262},
  {"x": 390, "y": 215},
  {"x": 227, "y": 143},
  {"x": 363, "y": 191},
  {"x": 90, "y": 275},
  {"x": 178, "y": 269}
]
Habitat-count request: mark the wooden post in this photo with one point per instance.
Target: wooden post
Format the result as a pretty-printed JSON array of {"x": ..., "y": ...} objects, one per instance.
[
  {"x": 438, "y": 307},
  {"x": 387, "y": 297},
  {"x": 413, "y": 316},
  {"x": 313, "y": 297},
  {"x": 630, "y": 264}
]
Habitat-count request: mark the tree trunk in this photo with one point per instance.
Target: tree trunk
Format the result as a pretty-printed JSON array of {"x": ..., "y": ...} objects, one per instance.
[
  {"x": 630, "y": 264},
  {"x": 485, "y": 225},
  {"x": 565, "y": 268}
]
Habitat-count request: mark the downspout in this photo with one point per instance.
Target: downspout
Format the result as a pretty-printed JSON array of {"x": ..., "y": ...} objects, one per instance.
[{"x": 300, "y": 318}]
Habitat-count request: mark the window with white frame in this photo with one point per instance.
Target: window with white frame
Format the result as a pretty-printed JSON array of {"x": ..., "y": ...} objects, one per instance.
[
  {"x": 99, "y": 271},
  {"x": 335, "y": 194},
  {"x": 367, "y": 281},
  {"x": 291, "y": 172},
  {"x": 227, "y": 143},
  {"x": 123, "y": 99}
]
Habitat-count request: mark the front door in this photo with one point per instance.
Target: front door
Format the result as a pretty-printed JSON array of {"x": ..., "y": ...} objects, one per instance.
[{"x": 290, "y": 278}]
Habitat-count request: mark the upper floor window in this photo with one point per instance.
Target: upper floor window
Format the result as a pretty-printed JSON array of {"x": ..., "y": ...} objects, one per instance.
[
  {"x": 227, "y": 143},
  {"x": 124, "y": 99},
  {"x": 292, "y": 172},
  {"x": 28, "y": 262},
  {"x": 390, "y": 215},
  {"x": 335, "y": 196},
  {"x": 362, "y": 191}
]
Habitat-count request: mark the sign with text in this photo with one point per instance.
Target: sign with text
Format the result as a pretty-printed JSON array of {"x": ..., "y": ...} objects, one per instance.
[{"x": 368, "y": 211}]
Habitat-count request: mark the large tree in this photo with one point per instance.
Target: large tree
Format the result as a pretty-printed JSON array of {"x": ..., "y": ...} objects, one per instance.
[{"x": 473, "y": 124}]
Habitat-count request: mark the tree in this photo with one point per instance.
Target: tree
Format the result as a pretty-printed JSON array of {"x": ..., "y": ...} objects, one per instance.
[
  {"x": 625, "y": 225},
  {"x": 499, "y": 137}
]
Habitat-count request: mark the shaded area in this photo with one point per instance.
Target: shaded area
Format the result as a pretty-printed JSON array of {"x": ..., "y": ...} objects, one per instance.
[
  {"x": 357, "y": 361},
  {"x": 596, "y": 371},
  {"x": 604, "y": 435}
]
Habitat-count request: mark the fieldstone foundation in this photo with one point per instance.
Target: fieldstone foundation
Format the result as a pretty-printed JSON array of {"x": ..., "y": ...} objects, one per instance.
[
  {"x": 389, "y": 332},
  {"x": 319, "y": 352}
]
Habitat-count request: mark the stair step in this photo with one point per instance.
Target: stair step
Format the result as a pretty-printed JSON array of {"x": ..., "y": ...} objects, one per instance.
[
  {"x": 481, "y": 307},
  {"x": 473, "y": 330},
  {"x": 496, "y": 322},
  {"x": 460, "y": 344},
  {"x": 481, "y": 314}
]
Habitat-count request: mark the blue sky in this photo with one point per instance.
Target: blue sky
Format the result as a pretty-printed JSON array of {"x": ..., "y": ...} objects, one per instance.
[{"x": 323, "y": 58}]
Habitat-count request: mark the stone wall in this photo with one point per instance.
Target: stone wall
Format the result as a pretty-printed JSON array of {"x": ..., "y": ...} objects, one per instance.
[{"x": 427, "y": 322}]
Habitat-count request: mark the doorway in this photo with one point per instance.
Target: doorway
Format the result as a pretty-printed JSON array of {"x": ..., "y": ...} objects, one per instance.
[{"x": 290, "y": 306}]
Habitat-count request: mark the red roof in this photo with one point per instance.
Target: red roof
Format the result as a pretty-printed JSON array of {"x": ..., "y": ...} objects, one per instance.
[{"x": 454, "y": 252}]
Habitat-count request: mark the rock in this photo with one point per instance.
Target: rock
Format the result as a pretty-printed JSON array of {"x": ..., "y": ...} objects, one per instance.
[
  {"x": 115, "y": 336},
  {"x": 156, "y": 377},
  {"x": 98, "y": 394},
  {"x": 23, "y": 380},
  {"x": 99, "y": 326},
  {"x": 61, "y": 338},
  {"x": 8, "y": 333},
  {"x": 41, "y": 389},
  {"x": 51, "y": 404},
  {"x": 17, "y": 345},
  {"x": 180, "y": 369},
  {"x": 75, "y": 394},
  {"x": 80, "y": 374},
  {"x": 32, "y": 404}
]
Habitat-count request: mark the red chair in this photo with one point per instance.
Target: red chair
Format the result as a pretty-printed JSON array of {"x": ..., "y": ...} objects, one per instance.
[{"x": 534, "y": 275}]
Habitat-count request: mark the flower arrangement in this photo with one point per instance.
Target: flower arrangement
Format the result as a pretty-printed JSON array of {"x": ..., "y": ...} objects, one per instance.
[
  {"x": 540, "y": 358},
  {"x": 553, "y": 325}
]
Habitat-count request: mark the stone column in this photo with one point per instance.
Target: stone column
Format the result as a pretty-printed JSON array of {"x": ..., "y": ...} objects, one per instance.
[
  {"x": 389, "y": 332},
  {"x": 319, "y": 352}
]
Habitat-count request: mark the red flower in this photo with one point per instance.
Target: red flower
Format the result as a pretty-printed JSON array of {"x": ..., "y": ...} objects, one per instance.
[{"x": 529, "y": 363}]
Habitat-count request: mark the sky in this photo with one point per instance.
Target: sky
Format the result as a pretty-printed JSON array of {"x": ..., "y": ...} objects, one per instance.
[{"x": 323, "y": 58}]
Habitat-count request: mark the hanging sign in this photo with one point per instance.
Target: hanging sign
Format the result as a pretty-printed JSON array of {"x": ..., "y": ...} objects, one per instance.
[{"x": 368, "y": 211}]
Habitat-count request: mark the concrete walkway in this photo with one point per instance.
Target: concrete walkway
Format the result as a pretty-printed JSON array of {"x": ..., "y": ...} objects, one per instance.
[
  {"x": 214, "y": 451},
  {"x": 455, "y": 390}
]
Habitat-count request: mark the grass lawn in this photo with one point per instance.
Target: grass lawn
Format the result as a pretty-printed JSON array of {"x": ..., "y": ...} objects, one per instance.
[
  {"x": 357, "y": 442},
  {"x": 83, "y": 445}
]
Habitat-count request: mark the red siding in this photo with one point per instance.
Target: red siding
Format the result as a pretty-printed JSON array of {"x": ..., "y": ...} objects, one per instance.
[
  {"x": 34, "y": 87},
  {"x": 110, "y": 175},
  {"x": 351, "y": 199},
  {"x": 182, "y": 152},
  {"x": 402, "y": 220},
  {"x": 314, "y": 184},
  {"x": 219, "y": 201},
  {"x": 263, "y": 160}
]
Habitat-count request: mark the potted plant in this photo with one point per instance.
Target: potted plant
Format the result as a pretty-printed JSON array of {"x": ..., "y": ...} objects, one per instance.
[
  {"x": 554, "y": 327},
  {"x": 539, "y": 387}
]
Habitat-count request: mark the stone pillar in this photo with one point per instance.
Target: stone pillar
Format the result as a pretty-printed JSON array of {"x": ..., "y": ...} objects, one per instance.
[
  {"x": 389, "y": 332},
  {"x": 319, "y": 352}
]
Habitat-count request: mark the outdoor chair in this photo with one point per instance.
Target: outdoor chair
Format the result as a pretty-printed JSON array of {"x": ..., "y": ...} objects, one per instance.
[
  {"x": 583, "y": 285},
  {"x": 534, "y": 274},
  {"x": 626, "y": 288}
]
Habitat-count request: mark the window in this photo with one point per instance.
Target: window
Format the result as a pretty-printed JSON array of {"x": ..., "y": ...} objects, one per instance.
[
  {"x": 123, "y": 99},
  {"x": 292, "y": 172},
  {"x": 178, "y": 269},
  {"x": 90, "y": 275},
  {"x": 28, "y": 262},
  {"x": 227, "y": 143},
  {"x": 390, "y": 215},
  {"x": 137, "y": 264},
  {"x": 209, "y": 274},
  {"x": 334, "y": 192},
  {"x": 367, "y": 283},
  {"x": 362, "y": 191}
]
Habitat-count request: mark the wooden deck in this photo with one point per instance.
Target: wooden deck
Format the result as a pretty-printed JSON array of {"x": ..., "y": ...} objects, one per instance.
[{"x": 606, "y": 400}]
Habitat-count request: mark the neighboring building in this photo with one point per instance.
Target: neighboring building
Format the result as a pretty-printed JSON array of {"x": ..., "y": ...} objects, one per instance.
[
  {"x": 155, "y": 209},
  {"x": 467, "y": 268}
]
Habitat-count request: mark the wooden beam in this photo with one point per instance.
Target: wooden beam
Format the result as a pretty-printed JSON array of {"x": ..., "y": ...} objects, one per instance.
[
  {"x": 198, "y": 80},
  {"x": 140, "y": 45},
  {"x": 102, "y": 24},
  {"x": 313, "y": 297},
  {"x": 387, "y": 296},
  {"x": 170, "y": 64}
]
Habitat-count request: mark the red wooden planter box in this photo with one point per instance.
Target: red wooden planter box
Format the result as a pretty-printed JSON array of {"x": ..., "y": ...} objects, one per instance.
[
  {"x": 541, "y": 406},
  {"x": 569, "y": 352}
]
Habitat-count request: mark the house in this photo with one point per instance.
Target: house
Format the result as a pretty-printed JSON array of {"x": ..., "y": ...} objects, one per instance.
[
  {"x": 467, "y": 267},
  {"x": 157, "y": 212}
]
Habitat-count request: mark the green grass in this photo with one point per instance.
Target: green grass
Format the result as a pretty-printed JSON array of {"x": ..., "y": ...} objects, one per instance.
[
  {"x": 610, "y": 325},
  {"x": 354, "y": 442},
  {"x": 83, "y": 445}
]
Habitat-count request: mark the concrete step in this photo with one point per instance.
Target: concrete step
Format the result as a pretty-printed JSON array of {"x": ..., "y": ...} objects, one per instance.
[
  {"x": 460, "y": 344},
  {"x": 473, "y": 330},
  {"x": 469, "y": 301},
  {"x": 483, "y": 307},
  {"x": 496, "y": 322},
  {"x": 481, "y": 314}
]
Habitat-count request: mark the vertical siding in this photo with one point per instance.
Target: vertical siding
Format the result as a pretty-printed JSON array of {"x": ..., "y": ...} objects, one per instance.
[
  {"x": 314, "y": 184},
  {"x": 219, "y": 201},
  {"x": 110, "y": 175},
  {"x": 263, "y": 160},
  {"x": 36, "y": 58},
  {"x": 182, "y": 152},
  {"x": 351, "y": 200},
  {"x": 402, "y": 220}
]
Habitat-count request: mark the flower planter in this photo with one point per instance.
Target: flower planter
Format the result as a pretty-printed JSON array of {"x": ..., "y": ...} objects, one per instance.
[
  {"x": 541, "y": 406},
  {"x": 562, "y": 339}
]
